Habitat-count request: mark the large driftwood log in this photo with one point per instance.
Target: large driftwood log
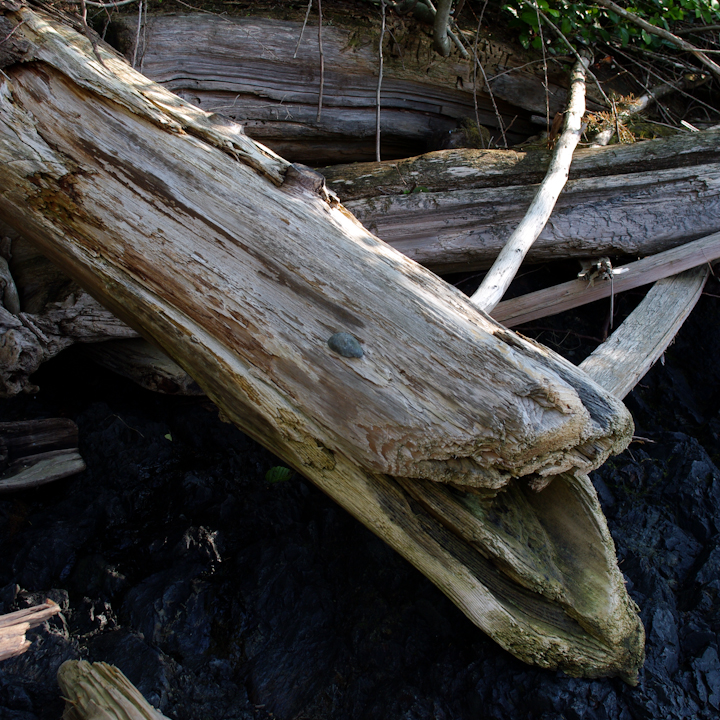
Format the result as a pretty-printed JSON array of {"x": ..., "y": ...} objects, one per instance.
[
  {"x": 454, "y": 209},
  {"x": 244, "y": 271},
  {"x": 246, "y": 68}
]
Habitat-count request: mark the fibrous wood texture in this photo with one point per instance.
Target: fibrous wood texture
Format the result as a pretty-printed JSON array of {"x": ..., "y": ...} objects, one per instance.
[
  {"x": 245, "y": 67},
  {"x": 241, "y": 269},
  {"x": 454, "y": 210},
  {"x": 14, "y": 625},
  {"x": 98, "y": 691}
]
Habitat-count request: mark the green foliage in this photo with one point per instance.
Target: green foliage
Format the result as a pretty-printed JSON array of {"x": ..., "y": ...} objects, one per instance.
[
  {"x": 585, "y": 24},
  {"x": 278, "y": 474}
]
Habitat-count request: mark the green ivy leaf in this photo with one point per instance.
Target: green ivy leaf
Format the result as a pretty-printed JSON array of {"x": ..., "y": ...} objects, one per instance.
[{"x": 278, "y": 474}]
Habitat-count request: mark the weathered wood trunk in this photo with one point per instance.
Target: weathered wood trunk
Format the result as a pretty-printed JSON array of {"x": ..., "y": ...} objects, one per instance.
[
  {"x": 454, "y": 209},
  {"x": 242, "y": 269},
  {"x": 246, "y": 68}
]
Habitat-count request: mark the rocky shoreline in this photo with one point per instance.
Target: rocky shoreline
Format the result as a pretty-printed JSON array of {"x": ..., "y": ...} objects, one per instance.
[{"x": 223, "y": 596}]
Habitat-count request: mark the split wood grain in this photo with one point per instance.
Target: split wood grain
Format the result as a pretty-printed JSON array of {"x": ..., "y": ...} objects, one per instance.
[
  {"x": 14, "y": 626},
  {"x": 99, "y": 691},
  {"x": 453, "y": 210}
]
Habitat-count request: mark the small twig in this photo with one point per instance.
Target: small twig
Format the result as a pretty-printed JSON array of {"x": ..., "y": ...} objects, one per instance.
[
  {"x": 665, "y": 34},
  {"x": 322, "y": 61},
  {"x": 458, "y": 42},
  {"x": 505, "y": 267},
  {"x": 110, "y": 4},
  {"x": 302, "y": 29},
  {"x": 545, "y": 70},
  {"x": 475, "y": 64},
  {"x": 12, "y": 32},
  {"x": 88, "y": 32},
  {"x": 137, "y": 34},
  {"x": 572, "y": 49},
  {"x": 703, "y": 28},
  {"x": 144, "y": 40},
  {"x": 494, "y": 104},
  {"x": 379, "y": 84}
]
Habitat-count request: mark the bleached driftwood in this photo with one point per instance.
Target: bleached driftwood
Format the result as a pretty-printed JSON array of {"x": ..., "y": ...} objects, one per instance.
[
  {"x": 244, "y": 271},
  {"x": 453, "y": 210},
  {"x": 98, "y": 691},
  {"x": 14, "y": 625},
  {"x": 622, "y": 360},
  {"x": 575, "y": 293},
  {"x": 36, "y": 452},
  {"x": 497, "y": 280}
]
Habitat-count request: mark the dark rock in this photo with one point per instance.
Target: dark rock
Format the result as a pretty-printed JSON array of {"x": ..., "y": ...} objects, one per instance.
[{"x": 222, "y": 596}]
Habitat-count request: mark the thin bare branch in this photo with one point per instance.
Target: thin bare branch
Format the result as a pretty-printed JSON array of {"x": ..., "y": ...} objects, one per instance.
[
  {"x": 322, "y": 60},
  {"x": 501, "y": 274},
  {"x": 302, "y": 29},
  {"x": 665, "y": 34},
  {"x": 379, "y": 83}
]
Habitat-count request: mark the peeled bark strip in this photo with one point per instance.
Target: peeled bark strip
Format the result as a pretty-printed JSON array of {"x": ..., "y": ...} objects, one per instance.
[
  {"x": 98, "y": 691},
  {"x": 245, "y": 283},
  {"x": 453, "y": 210}
]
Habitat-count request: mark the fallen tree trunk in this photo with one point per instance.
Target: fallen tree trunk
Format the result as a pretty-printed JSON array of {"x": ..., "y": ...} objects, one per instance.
[
  {"x": 252, "y": 69},
  {"x": 244, "y": 271},
  {"x": 454, "y": 210}
]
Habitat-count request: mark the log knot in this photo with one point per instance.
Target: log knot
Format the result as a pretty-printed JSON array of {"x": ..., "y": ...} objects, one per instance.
[{"x": 301, "y": 176}]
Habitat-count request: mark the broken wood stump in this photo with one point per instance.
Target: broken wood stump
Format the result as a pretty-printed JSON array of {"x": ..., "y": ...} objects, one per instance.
[
  {"x": 14, "y": 625},
  {"x": 364, "y": 371},
  {"x": 99, "y": 691}
]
